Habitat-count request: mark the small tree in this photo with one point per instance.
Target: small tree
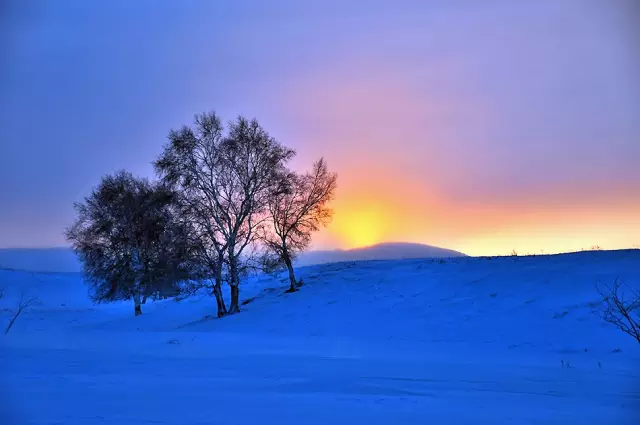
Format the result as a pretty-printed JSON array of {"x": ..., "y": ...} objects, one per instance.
[
  {"x": 129, "y": 240},
  {"x": 24, "y": 303},
  {"x": 298, "y": 208},
  {"x": 620, "y": 310}
]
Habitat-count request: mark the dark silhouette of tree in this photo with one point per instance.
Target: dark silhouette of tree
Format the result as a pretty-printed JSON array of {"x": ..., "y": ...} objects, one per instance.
[
  {"x": 129, "y": 240},
  {"x": 225, "y": 182},
  {"x": 190, "y": 163},
  {"x": 620, "y": 309},
  {"x": 297, "y": 208},
  {"x": 252, "y": 163}
]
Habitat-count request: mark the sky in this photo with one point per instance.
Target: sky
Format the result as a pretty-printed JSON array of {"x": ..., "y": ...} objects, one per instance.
[{"x": 484, "y": 127}]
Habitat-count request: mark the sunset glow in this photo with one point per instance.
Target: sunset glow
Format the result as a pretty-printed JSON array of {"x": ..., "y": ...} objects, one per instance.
[
  {"x": 478, "y": 231},
  {"x": 359, "y": 227},
  {"x": 485, "y": 129},
  {"x": 457, "y": 150}
]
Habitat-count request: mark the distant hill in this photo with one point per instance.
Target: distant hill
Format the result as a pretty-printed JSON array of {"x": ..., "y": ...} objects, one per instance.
[
  {"x": 64, "y": 260},
  {"x": 383, "y": 251},
  {"x": 60, "y": 260}
]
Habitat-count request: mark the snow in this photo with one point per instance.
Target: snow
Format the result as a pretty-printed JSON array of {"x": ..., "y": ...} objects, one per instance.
[{"x": 456, "y": 341}]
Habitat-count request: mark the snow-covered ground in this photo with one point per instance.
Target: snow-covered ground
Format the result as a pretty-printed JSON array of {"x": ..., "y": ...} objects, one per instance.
[{"x": 512, "y": 340}]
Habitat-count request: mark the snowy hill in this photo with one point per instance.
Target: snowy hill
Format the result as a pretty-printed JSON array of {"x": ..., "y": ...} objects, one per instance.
[
  {"x": 64, "y": 260},
  {"x": 383, "y": 251},
  {"x": 61, "y": 260},
  {"x": 458, "y": 341}
]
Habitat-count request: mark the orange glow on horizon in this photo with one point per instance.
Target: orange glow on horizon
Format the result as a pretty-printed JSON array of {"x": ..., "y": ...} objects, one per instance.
[
  {"x": 361, "y": 221},
  {"x": 450, "y": 168}
]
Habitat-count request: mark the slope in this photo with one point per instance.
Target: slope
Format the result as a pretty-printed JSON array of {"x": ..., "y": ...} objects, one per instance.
[{"x": 463, "y": 340}]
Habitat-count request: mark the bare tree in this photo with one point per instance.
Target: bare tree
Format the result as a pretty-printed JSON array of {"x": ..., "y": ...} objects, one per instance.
[
  {"x": 25, "y": 302},
  {"x": 620, "y": 309},
  {"x": 224, "y": 183},
  {"x": 250, "y": 167},
  {"x": 298, "y": 208},
  {"x": 190, "y": 162}
]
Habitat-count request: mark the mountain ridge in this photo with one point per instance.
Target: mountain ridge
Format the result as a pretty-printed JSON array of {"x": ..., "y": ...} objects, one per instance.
[
  {"x": 381, "y": 251},
  {"x": 64, "y": 260}
]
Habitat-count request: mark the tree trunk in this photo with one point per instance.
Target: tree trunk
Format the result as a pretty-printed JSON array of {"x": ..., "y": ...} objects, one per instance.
[
  {"x": 292, "y": 276},
  {"x": 144, "y": 299},
  {"x": 217, "y": 287},
  {"x": 235, "y": 296},
  {"x": 217, "y": 291},
  {"x": 136, "y": 301},
  {"x": 234, "y": 282}
]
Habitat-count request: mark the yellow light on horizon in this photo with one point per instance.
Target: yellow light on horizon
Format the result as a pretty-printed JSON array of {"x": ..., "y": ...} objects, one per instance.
[
  {"x": 363, "y": 220},
  {"x": 359, "y": 227}
]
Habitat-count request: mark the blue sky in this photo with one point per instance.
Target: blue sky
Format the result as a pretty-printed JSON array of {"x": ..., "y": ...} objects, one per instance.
[{"x": 473, "y": 126}]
